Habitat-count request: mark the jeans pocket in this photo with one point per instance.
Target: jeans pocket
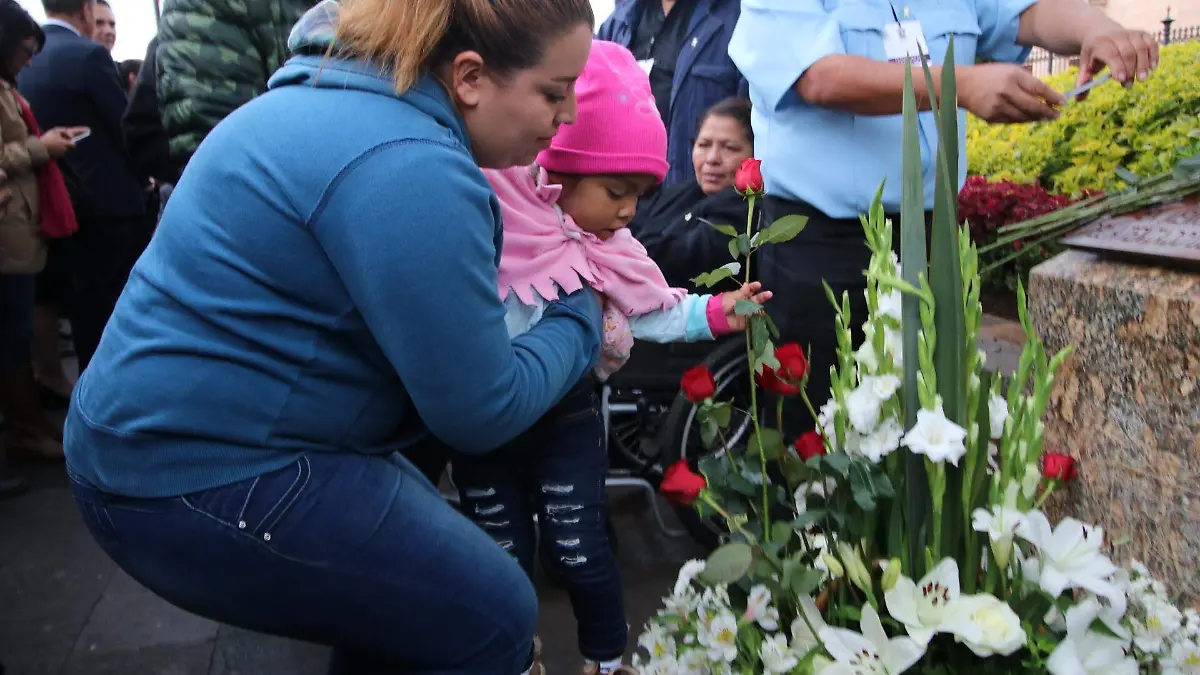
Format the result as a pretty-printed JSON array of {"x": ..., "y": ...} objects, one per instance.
[{"x": 255, "y": 506}]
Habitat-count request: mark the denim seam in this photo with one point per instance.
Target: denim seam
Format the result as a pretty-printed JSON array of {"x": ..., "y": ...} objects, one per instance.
[
  {"x": 246, "y": 503},
  {"x": 293, "y": 493}
]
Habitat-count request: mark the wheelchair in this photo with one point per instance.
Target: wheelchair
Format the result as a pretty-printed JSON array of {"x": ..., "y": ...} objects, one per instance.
[{"x": 649, "y": 425}]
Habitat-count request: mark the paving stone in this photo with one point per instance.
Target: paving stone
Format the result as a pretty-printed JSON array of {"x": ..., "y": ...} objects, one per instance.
[
  {"x": 30, "y": 646},
  {"x": 241, "y": 652},
  {"x": 170, "y": 659},
  {"x": 131, "y": 621}
]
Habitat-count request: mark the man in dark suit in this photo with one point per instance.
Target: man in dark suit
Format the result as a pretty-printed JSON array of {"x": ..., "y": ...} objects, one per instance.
[{"x": 73, "y": 83}]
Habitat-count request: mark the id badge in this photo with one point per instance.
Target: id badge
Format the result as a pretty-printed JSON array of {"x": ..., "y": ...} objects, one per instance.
[
  {"x": 646, "y": 65},
  {"x": 904, "y": 42}
]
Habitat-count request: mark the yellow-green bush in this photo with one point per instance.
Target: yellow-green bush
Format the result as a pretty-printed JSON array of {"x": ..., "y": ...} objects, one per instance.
[{"x": 1144, "y": 129}]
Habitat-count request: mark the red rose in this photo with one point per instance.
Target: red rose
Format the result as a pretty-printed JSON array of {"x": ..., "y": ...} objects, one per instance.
[
  {"x": 768, "y": 380},
  {"x": 1058, "y": 467},
  {"x": 793, "y": 365},
  {"x": 698, "y": 384},
  {"x": 681, "y": 485},
  {"x": 809, "y": 445},
  {"x": 748, "y": 180}
]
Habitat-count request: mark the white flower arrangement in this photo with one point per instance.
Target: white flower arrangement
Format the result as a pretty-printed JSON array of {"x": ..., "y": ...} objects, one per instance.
[{"x": 914, "y": 539}]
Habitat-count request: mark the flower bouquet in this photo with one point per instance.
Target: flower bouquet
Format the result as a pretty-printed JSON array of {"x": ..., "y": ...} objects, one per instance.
[{"x": 904, "y": 533}]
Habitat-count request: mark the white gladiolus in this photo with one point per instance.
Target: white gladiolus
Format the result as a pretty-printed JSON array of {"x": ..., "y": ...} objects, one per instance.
[
  {"x": 997, "y": 416},
  {"x": 883, "y": 441},
  {"x": 863, "y": 407},
  {"x": 936, "y": 437},
  {"x": 1001, "y": 526}
]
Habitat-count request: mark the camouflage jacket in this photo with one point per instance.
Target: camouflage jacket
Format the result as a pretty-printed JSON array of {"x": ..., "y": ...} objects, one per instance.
[{"x": 213, "y": 56}]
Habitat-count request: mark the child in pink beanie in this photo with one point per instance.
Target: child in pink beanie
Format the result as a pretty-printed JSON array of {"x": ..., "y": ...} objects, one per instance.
[{"x": 564, "y": 228}]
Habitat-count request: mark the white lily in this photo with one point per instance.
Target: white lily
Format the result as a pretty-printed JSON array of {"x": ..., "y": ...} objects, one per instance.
[
  {"x": 936, "y": 437},
  {"x": 776, "y": 656},
  {"x": 1086, "y": 652},
  {"x": 871, "y": 652},
  {"x": 1068, "y": 556},
  {"x": 807, "y": 627},
  {"x": 931, "y": 606},
  {"x": 1000, "y": 630}
]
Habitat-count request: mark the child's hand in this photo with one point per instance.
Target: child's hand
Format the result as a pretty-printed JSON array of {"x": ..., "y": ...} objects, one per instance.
[{"x": 730, "y": 299}]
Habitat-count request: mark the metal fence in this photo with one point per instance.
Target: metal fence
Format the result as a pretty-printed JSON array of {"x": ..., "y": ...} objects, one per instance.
[{"x": 1042, "y": 62}]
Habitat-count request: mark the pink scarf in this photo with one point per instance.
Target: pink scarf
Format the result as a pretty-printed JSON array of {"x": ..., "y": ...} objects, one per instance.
[{"x": 545, "y": 250}]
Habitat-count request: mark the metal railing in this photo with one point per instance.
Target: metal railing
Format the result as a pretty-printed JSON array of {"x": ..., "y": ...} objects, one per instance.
[{"x": 1042, "y": 62}]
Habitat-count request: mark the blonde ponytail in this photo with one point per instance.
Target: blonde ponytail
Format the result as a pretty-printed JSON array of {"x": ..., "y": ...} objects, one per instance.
[
  {"x": 400, "y": 35},
  {"x": 408, "y": 37}
]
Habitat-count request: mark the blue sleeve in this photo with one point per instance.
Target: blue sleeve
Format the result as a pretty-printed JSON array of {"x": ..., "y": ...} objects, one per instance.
[
  {"x": 776, "y": 41},
  {"x": 999, "y": 23},
  {"x": 606, "y": 29},
  {"x": 411, "y": 229},
  {"x": 687, "y": 321}
]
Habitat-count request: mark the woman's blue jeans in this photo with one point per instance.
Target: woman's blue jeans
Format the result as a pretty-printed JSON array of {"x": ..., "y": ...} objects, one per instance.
[{"x": 357, "y": 552}]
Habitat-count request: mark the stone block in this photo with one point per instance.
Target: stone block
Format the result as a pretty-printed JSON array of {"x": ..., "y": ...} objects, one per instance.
[{"x": 1127, "y": 405}]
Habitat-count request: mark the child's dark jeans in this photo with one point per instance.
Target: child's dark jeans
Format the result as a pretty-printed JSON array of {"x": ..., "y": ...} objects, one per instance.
[{"x": 556, "y": 470}]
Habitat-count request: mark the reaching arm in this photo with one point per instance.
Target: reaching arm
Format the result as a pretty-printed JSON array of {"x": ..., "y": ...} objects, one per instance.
[
  {"x": 1071, "y": 27},
  {"x": 17, "y": 157},
  {"x": 425, "y": 283}
]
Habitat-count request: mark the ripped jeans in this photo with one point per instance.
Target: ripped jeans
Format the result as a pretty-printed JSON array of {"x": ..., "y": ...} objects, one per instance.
[{"x": 556, "y": 470}]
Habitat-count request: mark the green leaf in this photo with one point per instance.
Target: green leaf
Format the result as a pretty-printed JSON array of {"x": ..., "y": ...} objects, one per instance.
[
  {"x": 710, "y": 279},
  {"x": 708, "y": 432},
  {"x": 912, "y": 257},
  {"x": 721, "y": 413},
  {"x": 743, "y": 244},
  {"x": 733, "y": 249},
  {"x": 728, "y": 564},
  {"x": 781, "y": 532},
  {"x": 723, "y": 229},
  {"x": 808, "y": 519},
  {"x": 806, "y": 582},
  {"x": 772, "y": 443},
  {"x": 746, "y": 307},
  {"x": 784, "y": 229},
  {"x": 739, "y": 483},
  {"x": 771, "y": 325},
  {"x": 1128, "y": 176},
  {"x": 838, "y": 461}
]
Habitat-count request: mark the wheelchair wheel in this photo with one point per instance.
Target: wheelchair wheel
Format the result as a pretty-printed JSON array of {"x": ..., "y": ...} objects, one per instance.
[{"x": 681, "y": 432}]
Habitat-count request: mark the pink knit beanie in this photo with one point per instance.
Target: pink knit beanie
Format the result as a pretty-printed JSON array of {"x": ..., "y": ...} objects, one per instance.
[{"x": 618, "y": 129}]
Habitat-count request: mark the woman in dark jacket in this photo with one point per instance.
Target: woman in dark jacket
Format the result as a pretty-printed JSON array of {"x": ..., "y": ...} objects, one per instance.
[{"x": 672, "y": 225}]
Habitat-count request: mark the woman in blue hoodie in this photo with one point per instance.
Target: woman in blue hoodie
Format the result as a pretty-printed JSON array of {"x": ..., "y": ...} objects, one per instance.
[{"x": 320, "y": 295}]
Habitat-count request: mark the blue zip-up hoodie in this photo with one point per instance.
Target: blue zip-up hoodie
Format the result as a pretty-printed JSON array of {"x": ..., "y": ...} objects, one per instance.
[{"x": 324, "y": 279}]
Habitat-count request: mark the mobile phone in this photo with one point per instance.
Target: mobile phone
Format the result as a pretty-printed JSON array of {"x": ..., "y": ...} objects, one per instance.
[{"x": 80, "y": 136}]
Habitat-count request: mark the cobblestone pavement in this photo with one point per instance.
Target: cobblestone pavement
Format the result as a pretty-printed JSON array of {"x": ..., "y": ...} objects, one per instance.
[{"x": 66, "y": 610}]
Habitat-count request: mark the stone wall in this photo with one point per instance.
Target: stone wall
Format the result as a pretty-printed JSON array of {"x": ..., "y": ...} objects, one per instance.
[{"x": 1127, "y": 405}]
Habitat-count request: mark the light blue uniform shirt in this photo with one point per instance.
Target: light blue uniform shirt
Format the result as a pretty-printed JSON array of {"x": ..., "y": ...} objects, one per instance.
[{"x": 835, "y": 160}]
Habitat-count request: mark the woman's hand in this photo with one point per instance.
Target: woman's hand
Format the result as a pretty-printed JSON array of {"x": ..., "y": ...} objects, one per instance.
[
  {"x": 729, "y": 300},
  {"x": 58, "y": 141}
]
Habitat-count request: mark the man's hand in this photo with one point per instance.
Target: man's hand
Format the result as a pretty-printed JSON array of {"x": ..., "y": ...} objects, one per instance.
[
  {"x": 1000, "y": 92},
  {"x": 1129, "y": 54}
]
